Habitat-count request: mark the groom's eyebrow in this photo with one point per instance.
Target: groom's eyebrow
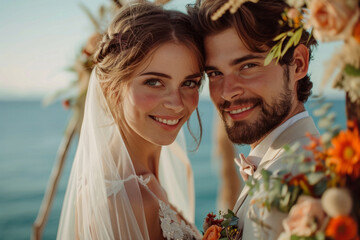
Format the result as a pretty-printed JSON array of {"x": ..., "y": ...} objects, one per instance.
[{"x": 244, "y": 58}]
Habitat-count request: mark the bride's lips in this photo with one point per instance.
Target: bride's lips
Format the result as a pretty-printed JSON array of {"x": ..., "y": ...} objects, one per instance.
[
  {"x": 240, "y": 112},
  {"x": 167, "y": 122}
]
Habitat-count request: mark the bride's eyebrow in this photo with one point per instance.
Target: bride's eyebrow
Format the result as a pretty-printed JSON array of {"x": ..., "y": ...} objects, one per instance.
[
  {"x": 210, "y": 68},
  {"x": 156, "y": 74},
  {"x": 196, "y": 75}
]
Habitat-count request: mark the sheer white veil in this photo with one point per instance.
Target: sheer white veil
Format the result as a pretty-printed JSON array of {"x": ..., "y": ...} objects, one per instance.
[{"x": 103, "y": 199}]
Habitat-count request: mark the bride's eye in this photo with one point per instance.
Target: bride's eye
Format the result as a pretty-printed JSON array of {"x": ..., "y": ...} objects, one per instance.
[
  {"x": 153, "y": 82},
  {"x": 191, "y": 83}
]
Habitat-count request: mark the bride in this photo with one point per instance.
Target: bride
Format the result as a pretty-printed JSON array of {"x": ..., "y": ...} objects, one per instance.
[{"x": 131, "y": 178}]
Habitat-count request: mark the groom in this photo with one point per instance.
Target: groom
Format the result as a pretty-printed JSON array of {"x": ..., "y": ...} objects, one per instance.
[{"x": 262, "y": 106}]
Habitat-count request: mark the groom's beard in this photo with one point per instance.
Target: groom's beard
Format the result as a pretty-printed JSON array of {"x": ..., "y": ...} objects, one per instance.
[{"x": 244, "y": 132}]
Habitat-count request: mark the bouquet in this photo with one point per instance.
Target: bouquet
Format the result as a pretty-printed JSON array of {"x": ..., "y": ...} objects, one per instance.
[
  {"x": 222, "y": 228},
  {"x": 322, "y": 199}
]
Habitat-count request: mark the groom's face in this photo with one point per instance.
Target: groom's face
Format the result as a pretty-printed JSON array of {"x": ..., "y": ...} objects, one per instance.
[{"x": 252, "y": 98}]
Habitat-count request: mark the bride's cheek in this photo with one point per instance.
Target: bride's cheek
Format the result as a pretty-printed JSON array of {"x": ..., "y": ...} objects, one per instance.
[
  {"x": 146, "y": 100},
  {"x": 192, "y": 100}
]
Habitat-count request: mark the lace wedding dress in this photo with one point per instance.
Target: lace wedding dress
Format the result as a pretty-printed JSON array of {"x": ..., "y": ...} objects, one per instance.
[
  {"x": 172, "y": 226},
  {"x": 105, "y": 198}
]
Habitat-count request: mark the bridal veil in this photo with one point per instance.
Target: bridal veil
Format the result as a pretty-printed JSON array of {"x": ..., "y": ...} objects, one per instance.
[{"x": 104, "y": 198}]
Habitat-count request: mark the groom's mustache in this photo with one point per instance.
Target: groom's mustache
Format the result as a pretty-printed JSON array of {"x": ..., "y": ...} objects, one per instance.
[{"x": 226, "y": 104}]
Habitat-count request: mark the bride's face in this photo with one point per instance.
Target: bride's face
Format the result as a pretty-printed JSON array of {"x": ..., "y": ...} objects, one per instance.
[{"x": 162, "y": 94}]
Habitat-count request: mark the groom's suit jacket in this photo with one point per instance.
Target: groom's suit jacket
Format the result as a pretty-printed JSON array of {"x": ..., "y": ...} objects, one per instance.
[{"x": 272, "y": 161}]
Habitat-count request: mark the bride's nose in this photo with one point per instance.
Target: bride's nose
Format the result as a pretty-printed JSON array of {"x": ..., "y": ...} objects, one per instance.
[{"x": 174, "y": 101}]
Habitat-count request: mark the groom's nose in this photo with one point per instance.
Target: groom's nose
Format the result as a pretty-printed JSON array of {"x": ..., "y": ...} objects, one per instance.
[{"x": 231, "y": 88}]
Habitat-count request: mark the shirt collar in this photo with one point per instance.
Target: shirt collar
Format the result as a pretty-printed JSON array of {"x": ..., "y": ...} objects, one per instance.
[{"x": 259, "y": 151}]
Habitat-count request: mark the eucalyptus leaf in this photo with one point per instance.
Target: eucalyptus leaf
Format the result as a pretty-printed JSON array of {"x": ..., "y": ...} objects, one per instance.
[
  {"x": 322, "y": 110},
  {"x": 233, "y": 222},
  {"x": 286, "y": 199},
  {"x": 315, "y": 177},
  {"x": 324, "y": 123},
  {"x": 320, "y": 236},
  {"x": 320, "y": 187},
  {"x": 284, "y": 190},
  {"x": 351, "y": 70}
]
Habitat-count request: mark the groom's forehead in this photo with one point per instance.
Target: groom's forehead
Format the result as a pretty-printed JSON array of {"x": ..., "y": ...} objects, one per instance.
[{"x": 224, "y": 48}]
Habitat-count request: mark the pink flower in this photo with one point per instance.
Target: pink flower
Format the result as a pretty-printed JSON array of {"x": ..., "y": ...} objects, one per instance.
[
  {"x": 293, "y": 13},
  {"x": 305, "y": 217},
  {"x": 333, "y": 19}
]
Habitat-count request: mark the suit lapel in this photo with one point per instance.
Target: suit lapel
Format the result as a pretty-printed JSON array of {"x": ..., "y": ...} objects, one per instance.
[{"x": 290, "y": 135}]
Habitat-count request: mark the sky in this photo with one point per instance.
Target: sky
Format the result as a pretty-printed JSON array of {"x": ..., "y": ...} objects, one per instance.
[{"x": 40, "y": 39}]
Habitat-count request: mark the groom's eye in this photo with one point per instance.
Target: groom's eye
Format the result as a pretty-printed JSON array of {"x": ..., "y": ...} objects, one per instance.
[
  {"x": 213, "y": 74},
  {"x": 249, "y": 65}
]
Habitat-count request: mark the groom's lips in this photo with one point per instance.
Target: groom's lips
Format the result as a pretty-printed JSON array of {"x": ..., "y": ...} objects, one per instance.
[{"x": 240, "y": 112}]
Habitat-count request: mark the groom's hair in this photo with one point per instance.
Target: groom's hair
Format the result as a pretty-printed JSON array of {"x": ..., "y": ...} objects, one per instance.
[{"x": 257, "y": 25}]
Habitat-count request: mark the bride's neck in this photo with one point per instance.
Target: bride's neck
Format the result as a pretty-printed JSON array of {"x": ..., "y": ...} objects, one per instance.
[{"x": 144, "y": 155}]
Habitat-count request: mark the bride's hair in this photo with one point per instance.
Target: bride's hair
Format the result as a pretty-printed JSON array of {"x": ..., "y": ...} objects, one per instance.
[{"x": 133, "y": 35}]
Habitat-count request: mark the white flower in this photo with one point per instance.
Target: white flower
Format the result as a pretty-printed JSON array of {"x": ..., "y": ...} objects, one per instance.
[
  {"x": 336, "y": 202},
  {"x": 351, "y": 85},
  {"x": 284, "y": 236},
  {"x": 295, "y": 3}
]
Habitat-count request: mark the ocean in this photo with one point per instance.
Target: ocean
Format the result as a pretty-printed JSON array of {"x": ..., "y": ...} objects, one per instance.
[{"x": 30, "y": 135}]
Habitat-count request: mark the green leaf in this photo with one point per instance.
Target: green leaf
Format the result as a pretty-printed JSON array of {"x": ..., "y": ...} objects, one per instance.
[
  {"x": 233, "y": 222},
  {"x": 278, "y": 37},
  {"x": 288, "y": 45},
  {"x": 269, "y": 58},
  {"x": 290, "y": 33},
  {"x": 286, "y": 147},
  {"x": 351, "y": 70},
  {"x": 320, "y": 187},
  {"x": 315, "y": 177},
  {"x": 320, "y": 236},
  {"x": 297, "y": 36},
  {"x": 277, "y": 54}
]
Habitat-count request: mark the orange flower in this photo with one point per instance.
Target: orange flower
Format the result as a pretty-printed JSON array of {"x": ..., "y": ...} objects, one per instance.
[
  {"x": 356, "y": 33},
  {"x": 345, "y": 153},
  {"x": 212, "y": 233},
  {"x": 342, "y": 228}
]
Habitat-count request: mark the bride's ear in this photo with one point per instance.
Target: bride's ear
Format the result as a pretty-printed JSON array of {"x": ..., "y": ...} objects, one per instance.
[{"x": 301, "y": 61}]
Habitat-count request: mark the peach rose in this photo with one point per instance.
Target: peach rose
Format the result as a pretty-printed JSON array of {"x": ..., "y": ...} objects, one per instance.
[
  {"x": 333, "y": 19},
  {"x": 212, "y": 233},
  {"x": 305, "y": 217}
]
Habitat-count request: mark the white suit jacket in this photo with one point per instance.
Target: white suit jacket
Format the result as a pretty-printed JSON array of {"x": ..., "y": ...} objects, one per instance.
[{"x": 272, "y": 162}]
